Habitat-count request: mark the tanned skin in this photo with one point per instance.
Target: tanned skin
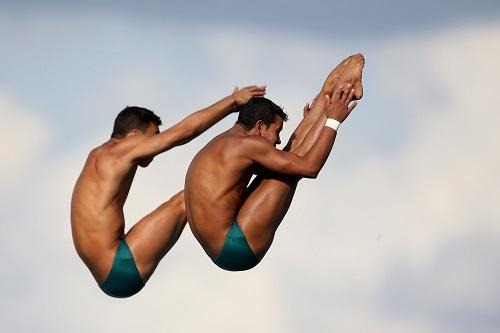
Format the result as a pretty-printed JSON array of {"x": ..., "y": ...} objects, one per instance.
[
  {"x": 97, "y": 219},
  {"x": 216, "y": 182},
  {"x": 348, "y": 71}
]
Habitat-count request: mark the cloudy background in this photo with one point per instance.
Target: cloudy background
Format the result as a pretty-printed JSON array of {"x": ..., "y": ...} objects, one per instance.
[{"x": 399, "y": 233}]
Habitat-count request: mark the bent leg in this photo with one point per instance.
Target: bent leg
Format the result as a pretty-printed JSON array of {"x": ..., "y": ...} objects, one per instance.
[
  {"x": 264, "y": 209},
  {"x": 155, "y": 234},
  {"x": 349, "y": 71},
  {"x": 316, "y": 111},
  {"x": 268, "y": 201},
  {"x": 271, "y": 195}
]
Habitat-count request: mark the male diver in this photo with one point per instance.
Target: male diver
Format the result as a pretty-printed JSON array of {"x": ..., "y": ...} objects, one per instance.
[
  {"x": 122, "y": 263},
  {"x": 235, "y": 222}
]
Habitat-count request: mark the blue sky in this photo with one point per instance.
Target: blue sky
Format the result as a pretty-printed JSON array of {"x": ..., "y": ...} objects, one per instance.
[{"x": 399, "y": 233}]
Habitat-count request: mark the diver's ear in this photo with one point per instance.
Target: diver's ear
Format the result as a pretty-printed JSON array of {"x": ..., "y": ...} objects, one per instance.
[{"x": 259, "y": 126}]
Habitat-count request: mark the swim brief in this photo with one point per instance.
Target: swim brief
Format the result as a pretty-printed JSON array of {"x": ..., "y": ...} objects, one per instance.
[
  {"x": 123, "y": 280},
  {"x": 236, "y": 255}
]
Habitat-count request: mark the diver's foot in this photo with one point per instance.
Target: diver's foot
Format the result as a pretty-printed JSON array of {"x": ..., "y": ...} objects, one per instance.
[
  {"x": 348, "y": 71},
  {"x": 333, "y": 79},
  {"x": 353, "y": 73}
]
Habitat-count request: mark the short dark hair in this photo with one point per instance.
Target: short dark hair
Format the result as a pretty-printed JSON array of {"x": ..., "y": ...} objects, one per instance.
[
  {"x": 133, "y": 117},
  {"x": 259, "y": 108}
]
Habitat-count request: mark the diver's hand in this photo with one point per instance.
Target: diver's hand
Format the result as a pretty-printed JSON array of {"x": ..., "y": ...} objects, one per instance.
[
  {"x": 243, "y": 95},
  {"x": 338, "y": 106}
]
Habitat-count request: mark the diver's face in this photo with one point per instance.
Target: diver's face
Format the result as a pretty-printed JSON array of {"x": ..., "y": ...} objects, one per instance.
[
  {"x": 272, "y": 132},
  {"x": 152, "y": 130}
]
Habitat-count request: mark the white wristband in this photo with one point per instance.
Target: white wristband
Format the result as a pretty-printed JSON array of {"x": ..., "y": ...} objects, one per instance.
[{"x": 332, "y": 123}]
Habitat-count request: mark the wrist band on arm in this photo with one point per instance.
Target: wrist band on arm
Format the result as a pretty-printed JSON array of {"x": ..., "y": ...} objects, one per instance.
[{"x": 332, "y": 123}]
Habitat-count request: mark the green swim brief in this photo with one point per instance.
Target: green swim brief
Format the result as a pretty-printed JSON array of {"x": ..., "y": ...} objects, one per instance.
[
  {"x": 123, "y": 280},
  {"x": 236, "y": 255}
]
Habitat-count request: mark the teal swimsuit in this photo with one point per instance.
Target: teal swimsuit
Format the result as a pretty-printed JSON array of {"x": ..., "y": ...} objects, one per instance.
[
  {"x": 236, "y": 255},
  {"x": 123, "y": 280}
]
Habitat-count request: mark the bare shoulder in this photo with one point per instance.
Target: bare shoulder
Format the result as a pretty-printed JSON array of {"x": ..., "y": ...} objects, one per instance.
[
  {"x": 118, "y": 150},
  {"x": 107, "y": 149},
  {"x": 105, "y": 155},
  {"x": 238, "y": 141},
  {"x": 252, "y": 146},
  {"x": 255, "y": 142}
]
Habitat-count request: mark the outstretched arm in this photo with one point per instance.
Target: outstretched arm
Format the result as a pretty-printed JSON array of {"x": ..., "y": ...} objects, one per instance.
[
  {"x": 310, "y": 164},
  {"x": 198, "y": 122},
  {"x": 194, "y": 124}
]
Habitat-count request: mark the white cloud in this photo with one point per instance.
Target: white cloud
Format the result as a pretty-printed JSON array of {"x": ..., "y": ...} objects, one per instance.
[
  {"x": 456, "y": 289},
  {"x": 344, "y": 232},
  {"x": 24, "y": 139},
  {"x": 442, "y": 184}
]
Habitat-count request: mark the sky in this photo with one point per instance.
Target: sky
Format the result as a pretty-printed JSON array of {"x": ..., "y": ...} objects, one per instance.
[{"x": 399, "y": 233}]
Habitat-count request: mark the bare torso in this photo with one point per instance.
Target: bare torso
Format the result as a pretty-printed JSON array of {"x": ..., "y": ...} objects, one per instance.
[
  {"x": 97, "y": 219},
  {"x": 216, "y": 182},
  {"x": 215, "y": 188}
]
